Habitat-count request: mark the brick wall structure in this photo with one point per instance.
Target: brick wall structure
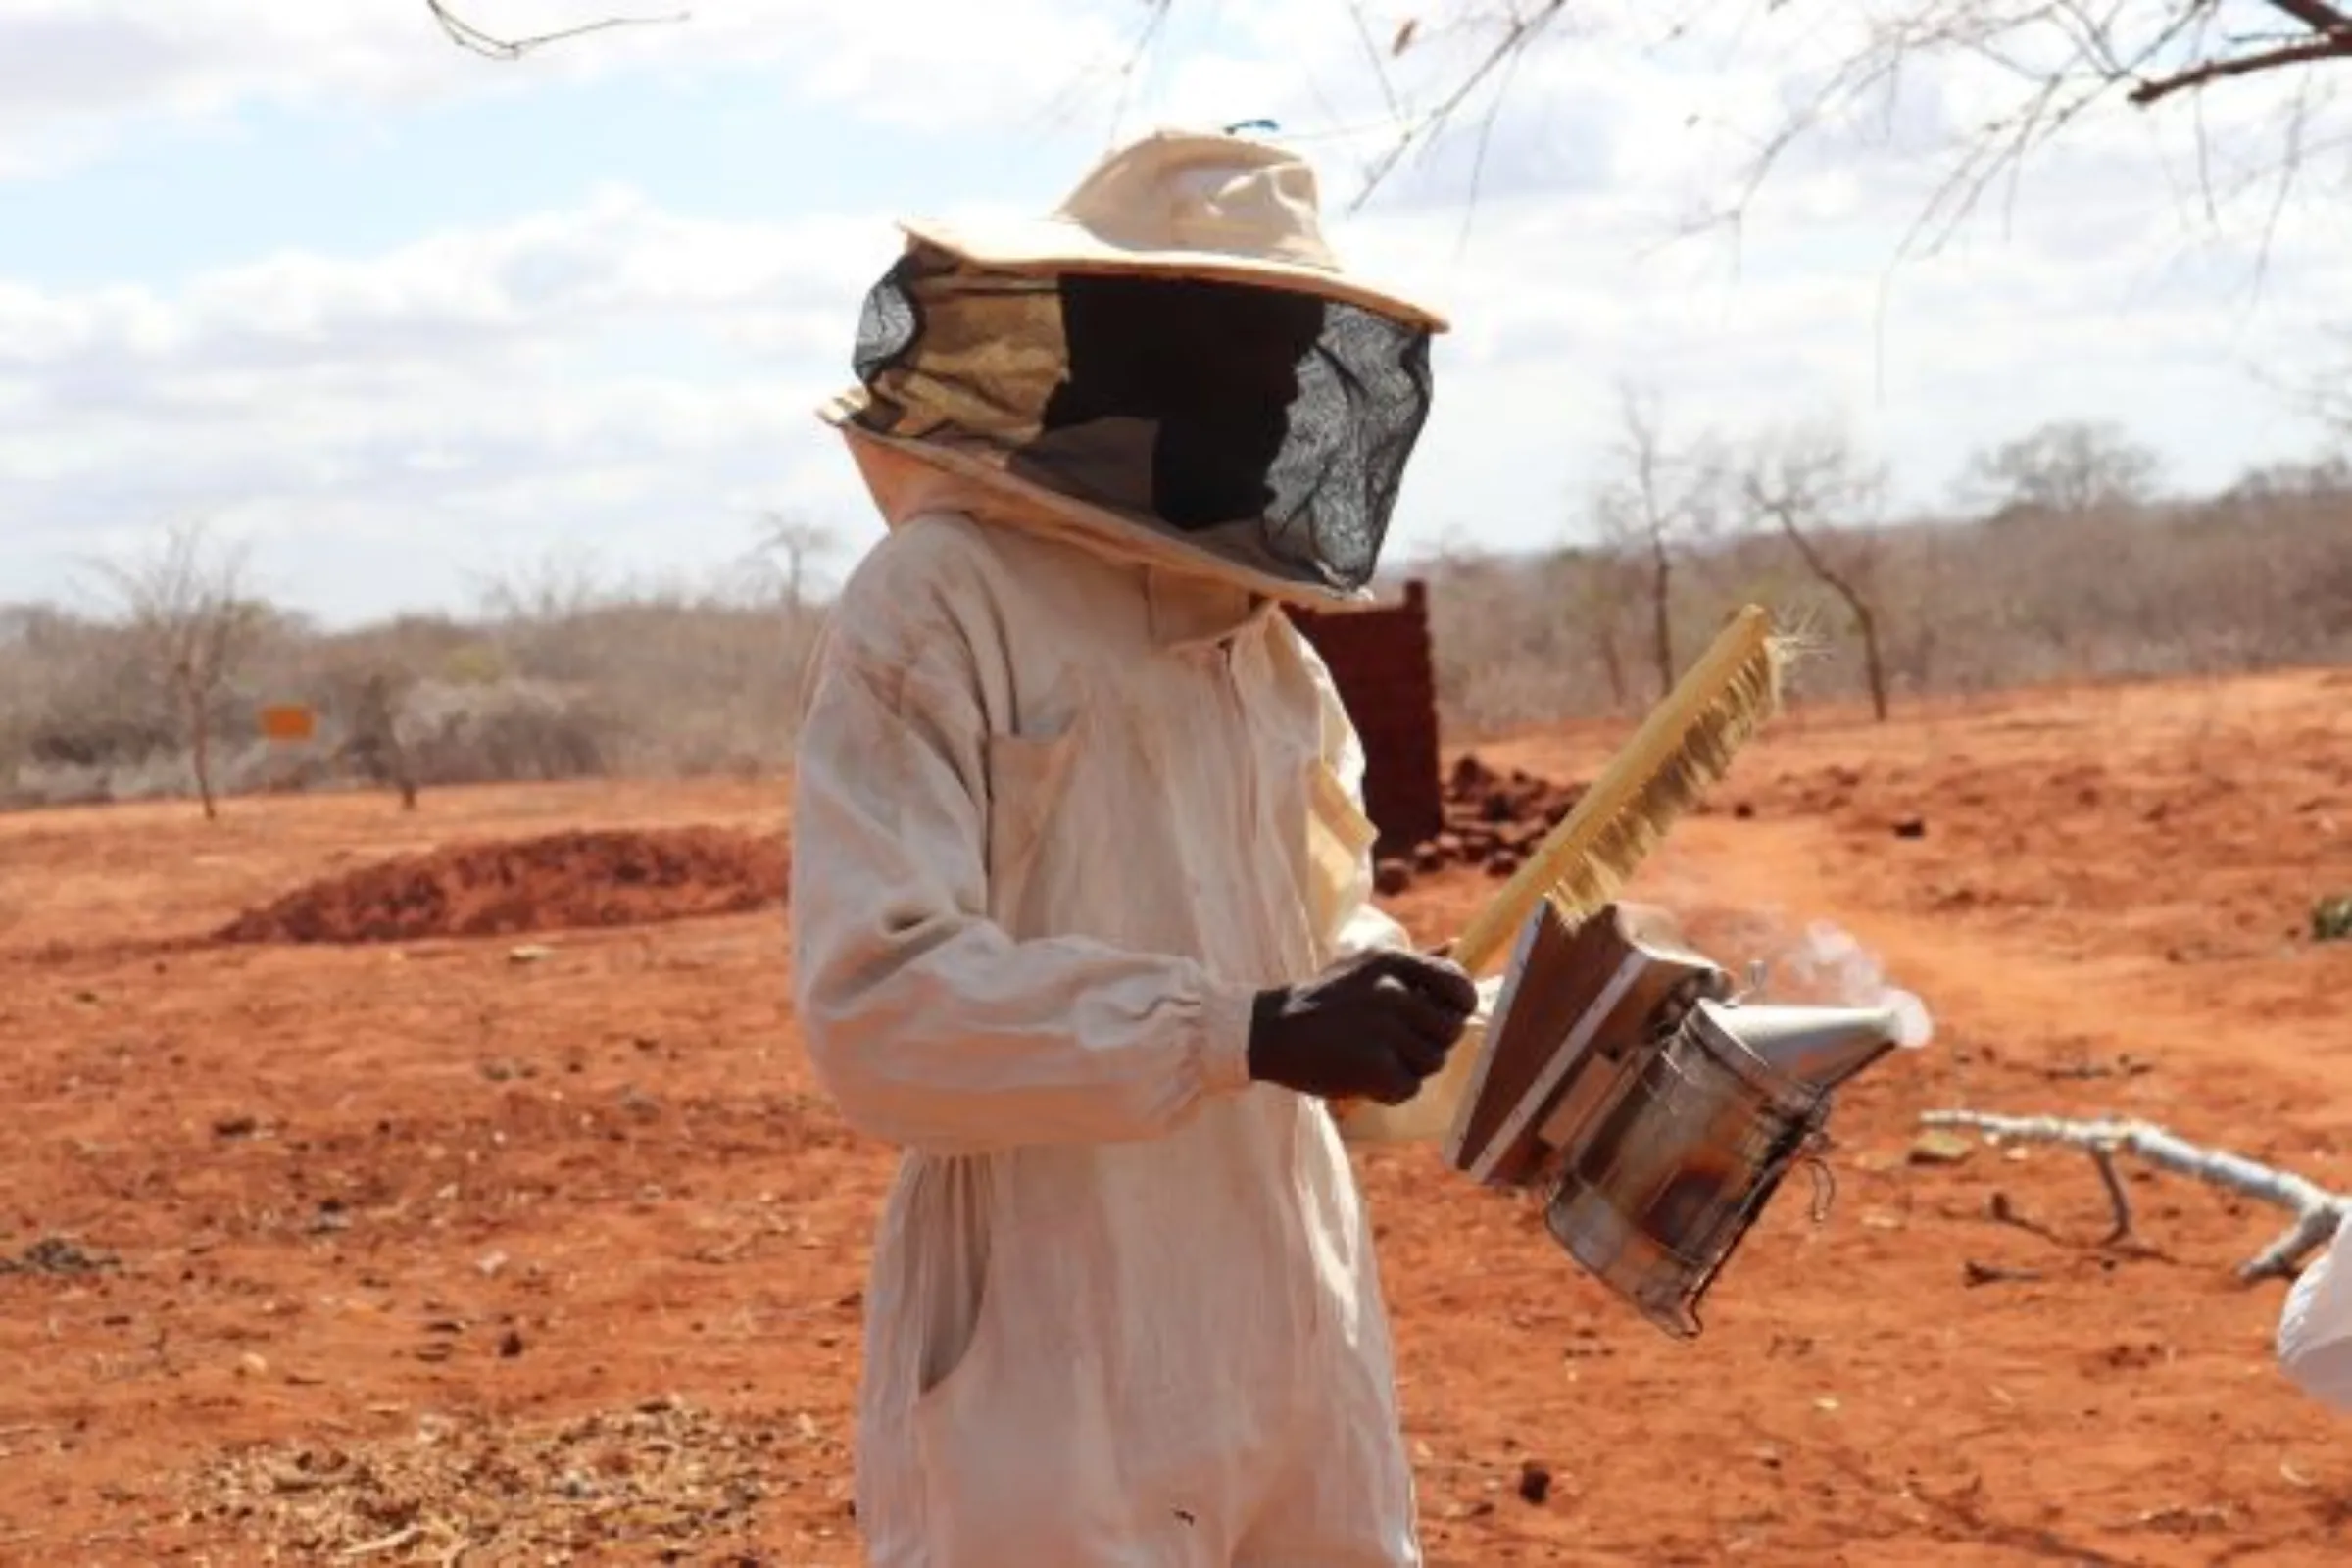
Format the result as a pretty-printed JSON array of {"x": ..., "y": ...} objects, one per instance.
[{"x": 1381, "y": 660}]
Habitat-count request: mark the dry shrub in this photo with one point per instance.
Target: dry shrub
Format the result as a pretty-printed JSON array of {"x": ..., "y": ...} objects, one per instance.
[
  {"x": 484, "y": 733},
  {"x": 642, "y": 684},
  {"x": 2216, "y": 588}
]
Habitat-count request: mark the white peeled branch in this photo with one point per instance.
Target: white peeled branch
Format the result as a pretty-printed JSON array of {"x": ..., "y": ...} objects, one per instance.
[{"x": 2316, "y": 1211}]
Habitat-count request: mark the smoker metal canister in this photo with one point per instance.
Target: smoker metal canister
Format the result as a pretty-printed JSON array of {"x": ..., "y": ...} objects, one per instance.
[{"x": 1694, "y": 1140}]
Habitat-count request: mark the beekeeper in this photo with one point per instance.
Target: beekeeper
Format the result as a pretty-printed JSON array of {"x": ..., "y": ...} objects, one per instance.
[
  {"x": 1081, "y": 879},
  {"x": 2314, "y": 1339}
]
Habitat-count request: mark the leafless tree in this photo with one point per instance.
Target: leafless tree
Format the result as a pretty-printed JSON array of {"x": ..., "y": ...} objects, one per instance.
[
  {"x": 801, "y": 542},
  {"x": 2067, "y": 468},
  {"x": 1827, "y": 501},
  {"x": 1656, "y": 501},
  {"x": 188, "y": 609}
]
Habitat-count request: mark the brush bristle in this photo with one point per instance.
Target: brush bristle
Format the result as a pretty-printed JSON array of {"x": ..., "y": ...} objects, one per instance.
[
  {"x": 1594, "y": 871},
  {"x": 1684, "y": 748}
]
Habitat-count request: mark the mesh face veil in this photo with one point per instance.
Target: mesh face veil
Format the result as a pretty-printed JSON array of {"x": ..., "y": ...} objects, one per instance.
[{"x": 1268, "y": 426}]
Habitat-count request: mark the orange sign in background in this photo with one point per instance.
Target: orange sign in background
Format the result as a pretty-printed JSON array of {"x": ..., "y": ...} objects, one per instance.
[{"x": 289, "y": 721}]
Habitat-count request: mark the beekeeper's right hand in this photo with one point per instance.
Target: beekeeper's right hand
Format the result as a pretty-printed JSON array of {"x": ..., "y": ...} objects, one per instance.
[{"x": 1371, "y": 1027}]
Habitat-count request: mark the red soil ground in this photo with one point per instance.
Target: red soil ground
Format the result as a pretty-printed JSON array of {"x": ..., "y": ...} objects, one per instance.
[{"x": 522, "y": 1257}]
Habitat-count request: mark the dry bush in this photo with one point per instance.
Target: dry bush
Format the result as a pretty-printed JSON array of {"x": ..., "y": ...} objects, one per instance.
[
  {"x": 87, "y": 712},
  {"x": 2233, "y": 586},
  {"x": 621, "y": 682},
  {"x": 73, "y": 694},
  {"x": 1518, "y": 641},
  {"x": 485, "y": 732},
  {"x": 690, "y": 686}
]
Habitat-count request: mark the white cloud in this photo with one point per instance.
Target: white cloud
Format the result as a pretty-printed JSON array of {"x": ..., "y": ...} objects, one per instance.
[
  {"x": 75, "y": 74},
  {"x": 613, "y": 368},
  {"x": 451, "y": 297}
]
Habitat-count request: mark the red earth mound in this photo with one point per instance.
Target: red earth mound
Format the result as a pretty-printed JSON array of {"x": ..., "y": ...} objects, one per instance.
[{"x": 563, "y": 881}]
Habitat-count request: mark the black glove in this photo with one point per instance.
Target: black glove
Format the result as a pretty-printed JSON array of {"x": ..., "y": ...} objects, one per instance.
[{"x": 1371, "y": 1027}]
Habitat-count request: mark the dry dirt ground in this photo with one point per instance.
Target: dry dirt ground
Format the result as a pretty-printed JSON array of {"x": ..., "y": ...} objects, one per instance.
[{"x": 438, "y": 1251}]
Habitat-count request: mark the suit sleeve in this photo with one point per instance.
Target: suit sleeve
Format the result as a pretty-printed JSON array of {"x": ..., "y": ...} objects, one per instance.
[{"x": 926, "y": 1022}]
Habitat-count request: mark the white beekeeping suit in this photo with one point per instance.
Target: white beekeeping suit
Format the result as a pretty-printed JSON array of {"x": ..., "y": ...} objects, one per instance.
[{"x": 1075, "y": 803}]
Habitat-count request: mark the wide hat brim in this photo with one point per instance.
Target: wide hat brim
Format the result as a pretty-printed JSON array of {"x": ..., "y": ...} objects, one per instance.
[
  {"x": 1046, "y": 245},
  {"x": 1119, "y": 537}
]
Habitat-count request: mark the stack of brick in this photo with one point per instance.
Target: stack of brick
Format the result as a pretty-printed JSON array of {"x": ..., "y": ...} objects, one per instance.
[
  {"x": 1491, "y": 820},
  {"x": 1380, "y": 661}
]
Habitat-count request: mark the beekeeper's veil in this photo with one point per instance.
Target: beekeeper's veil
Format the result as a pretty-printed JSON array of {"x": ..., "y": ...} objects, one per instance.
[{"x": 1173, "y": 365}]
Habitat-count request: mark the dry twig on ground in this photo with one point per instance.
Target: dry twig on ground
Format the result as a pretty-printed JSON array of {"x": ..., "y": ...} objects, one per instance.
[{"x": 2316, "y": 1210}]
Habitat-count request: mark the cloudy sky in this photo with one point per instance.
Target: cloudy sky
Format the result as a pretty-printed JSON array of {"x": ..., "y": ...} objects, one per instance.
[{"x": 406, "y": 320}]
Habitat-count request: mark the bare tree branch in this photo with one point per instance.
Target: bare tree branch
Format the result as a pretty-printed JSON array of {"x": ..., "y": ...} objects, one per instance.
[
  {"x": 1659, "y": 500},
  {"x": 2051, "y": 62},
  {"x": 2315, "y": 15},
  {"x": 1519, "y": 36},
  {"x": 2213, "y": 71},
  {"x": 1374, "y": 61},
  {"x": 1811, "y": 481},
  {"x": 465, "y": 35}
]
